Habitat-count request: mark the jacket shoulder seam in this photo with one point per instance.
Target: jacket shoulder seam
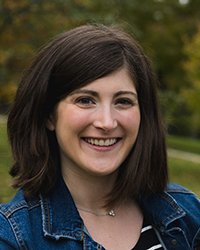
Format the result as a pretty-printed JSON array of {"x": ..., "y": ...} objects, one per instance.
[{"x": 8, "y": 209}]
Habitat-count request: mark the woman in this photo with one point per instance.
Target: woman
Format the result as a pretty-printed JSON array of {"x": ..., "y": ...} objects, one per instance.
[{"x": 89, "y": 150}]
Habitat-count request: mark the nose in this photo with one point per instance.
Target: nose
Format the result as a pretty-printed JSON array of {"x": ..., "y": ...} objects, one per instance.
[{"x": 105, "y": 119}]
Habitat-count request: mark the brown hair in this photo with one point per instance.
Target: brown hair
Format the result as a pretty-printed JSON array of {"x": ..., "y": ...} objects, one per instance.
[{"x": 71, "y": 60}]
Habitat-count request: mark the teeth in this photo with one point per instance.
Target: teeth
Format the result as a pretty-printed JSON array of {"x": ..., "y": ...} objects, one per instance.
[{"x": 101, "y": 142}]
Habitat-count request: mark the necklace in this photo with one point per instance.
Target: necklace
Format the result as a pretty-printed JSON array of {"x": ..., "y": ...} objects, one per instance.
[{"x": 109, "y": 213}]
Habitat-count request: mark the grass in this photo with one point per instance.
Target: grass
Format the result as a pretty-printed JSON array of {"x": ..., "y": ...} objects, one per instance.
[
  {"x": 183, "y": 172},
  {"x": 184, "y": 144},
  {"x": 5, "y": 162}
]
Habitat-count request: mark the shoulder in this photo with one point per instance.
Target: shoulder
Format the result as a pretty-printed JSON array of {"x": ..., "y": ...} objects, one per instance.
[
  {"x": 176, "y": 188},
  {"x": 177, "y": 210},
  {"x": 15, "y": 218},
  {"x": 18, "y": 204},
  {"x": 184, "y": 198},
  {"x": 176, "y": 202},
  {"x": 187, "y": 201}
]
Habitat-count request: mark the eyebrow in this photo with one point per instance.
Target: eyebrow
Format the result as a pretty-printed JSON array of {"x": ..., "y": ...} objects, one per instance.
[
  {"x": 84, "y": 91},
  {"x": 126, "y": 92},
  {"x": 95, "y": 94}
]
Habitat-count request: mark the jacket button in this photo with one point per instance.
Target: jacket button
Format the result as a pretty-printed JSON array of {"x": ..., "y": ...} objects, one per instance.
[{"x": 174, "y": 242}]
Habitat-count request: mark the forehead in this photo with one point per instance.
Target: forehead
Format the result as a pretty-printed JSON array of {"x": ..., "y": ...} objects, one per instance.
[{"x": 116, "y": 81}]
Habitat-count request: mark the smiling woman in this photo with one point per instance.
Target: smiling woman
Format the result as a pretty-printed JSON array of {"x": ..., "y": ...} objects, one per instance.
[
  {"x": 89, "y": 152},
  {"x": 103, "y": 126}
]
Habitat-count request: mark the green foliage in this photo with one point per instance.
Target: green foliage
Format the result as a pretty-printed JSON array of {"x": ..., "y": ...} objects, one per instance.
[
  {"x": 5, "y": 190},
  {"x": 185, "y": 173},
  {"x": 176, "y": 113},
  {"x": 25, "y": 25},
  {"x": 192, "y": 92},
  {"x": 168, "y": 31},
  {"x": 181, "y": 143},
  {"x": 4, "y": 146}
]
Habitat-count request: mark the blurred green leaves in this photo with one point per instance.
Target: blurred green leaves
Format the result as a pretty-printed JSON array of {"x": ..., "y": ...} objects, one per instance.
[{"x": 168, "y": 30}]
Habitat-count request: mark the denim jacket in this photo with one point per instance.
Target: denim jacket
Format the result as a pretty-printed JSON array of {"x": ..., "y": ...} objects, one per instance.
[{"x": 53, "y": 222}]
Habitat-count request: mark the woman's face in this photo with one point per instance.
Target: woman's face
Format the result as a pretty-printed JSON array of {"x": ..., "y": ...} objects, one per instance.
[{"x": 97, "y": 125}]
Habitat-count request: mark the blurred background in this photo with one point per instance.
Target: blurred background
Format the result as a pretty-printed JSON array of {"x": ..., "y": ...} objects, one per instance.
[{"x": 169, "y": 31}]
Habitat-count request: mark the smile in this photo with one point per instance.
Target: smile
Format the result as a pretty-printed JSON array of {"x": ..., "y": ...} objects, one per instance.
[{"x": 102, "y": 142}]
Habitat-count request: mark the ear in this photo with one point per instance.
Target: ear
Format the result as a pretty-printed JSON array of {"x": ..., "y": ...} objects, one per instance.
[{"x": 50, "y": 123}]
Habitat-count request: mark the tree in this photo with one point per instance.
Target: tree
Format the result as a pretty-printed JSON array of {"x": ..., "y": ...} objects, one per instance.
[
  {"x": 163, "y": 27},
  {"x": 192, "y": 93},
  {"x": 25, "y": 25}
]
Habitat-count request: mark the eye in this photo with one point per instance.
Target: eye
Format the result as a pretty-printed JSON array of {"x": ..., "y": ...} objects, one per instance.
[
  {"x": 125, "y": 102},
  {"x": 85, "y": 101}
]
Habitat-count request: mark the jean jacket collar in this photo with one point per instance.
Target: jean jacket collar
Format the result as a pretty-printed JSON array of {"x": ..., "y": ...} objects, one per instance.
[
  {"x": 161, "y": 210},
  {"x": 61, "y": 218}
]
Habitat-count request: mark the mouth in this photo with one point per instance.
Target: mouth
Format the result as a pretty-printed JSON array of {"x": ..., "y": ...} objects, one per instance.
[{"x": 102, "y": 142}]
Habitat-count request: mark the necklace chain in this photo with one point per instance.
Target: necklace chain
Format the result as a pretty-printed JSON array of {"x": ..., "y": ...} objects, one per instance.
[{"x": 109, "y": 213}]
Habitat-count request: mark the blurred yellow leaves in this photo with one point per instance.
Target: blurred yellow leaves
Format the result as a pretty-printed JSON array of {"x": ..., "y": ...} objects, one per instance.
[
  {"x": 7, "y": 92},
  {"x": 192, "y": 67},
  {"x": 14, "y": 5}
]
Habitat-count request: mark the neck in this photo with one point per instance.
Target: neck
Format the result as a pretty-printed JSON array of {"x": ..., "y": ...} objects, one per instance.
[{"x": 89, "y": 192}]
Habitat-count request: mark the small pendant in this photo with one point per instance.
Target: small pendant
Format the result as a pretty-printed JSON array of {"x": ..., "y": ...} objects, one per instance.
[{"x": 111, "y": 213}]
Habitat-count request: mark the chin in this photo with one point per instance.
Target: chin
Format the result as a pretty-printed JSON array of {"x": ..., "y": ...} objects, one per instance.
[{"x": 102, "y": 171}]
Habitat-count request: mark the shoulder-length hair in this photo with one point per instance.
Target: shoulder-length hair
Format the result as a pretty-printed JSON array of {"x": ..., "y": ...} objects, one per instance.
[{"x": 70, "y": 61}]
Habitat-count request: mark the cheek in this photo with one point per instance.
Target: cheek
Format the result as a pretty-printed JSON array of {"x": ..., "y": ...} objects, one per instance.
[
  {"x": 78, "y": 120},
  {"x": 131, "y": 121},
  {"x": 74, "y": 124}
]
